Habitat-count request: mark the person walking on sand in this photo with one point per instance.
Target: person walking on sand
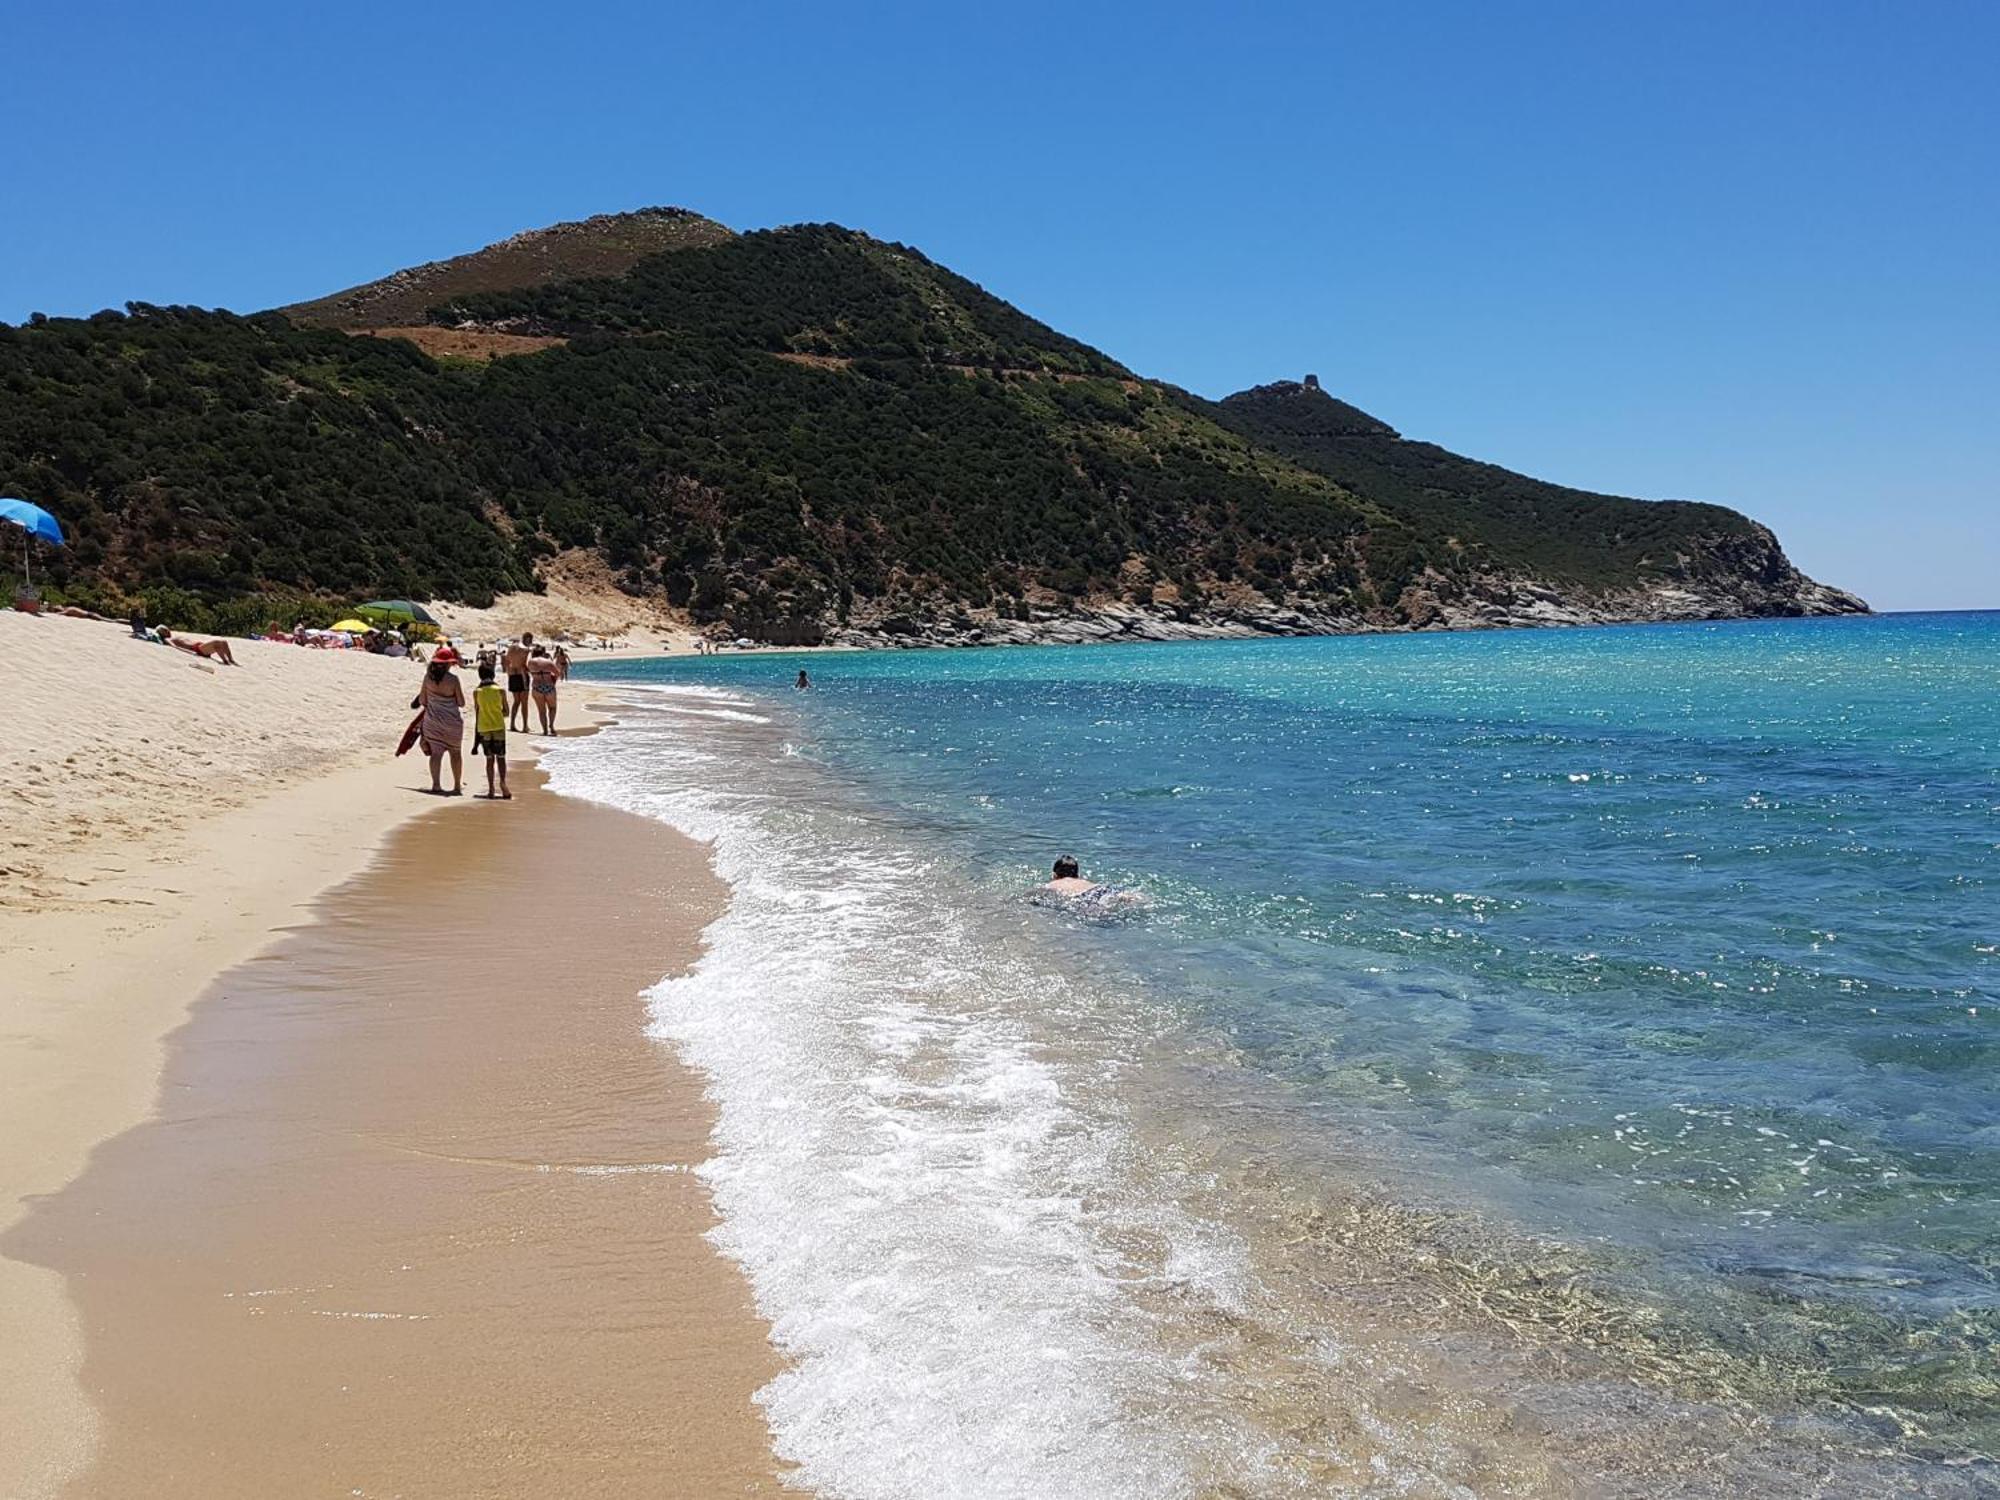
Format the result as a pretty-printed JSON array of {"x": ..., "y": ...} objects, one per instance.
[
  {"x": 562, "y": 665},
  {"x": 443, "y": 703},
  {"x": 542, "y": 686},
  {"x": 489, "y": 731},
  {"x": 516, "y": 662}
]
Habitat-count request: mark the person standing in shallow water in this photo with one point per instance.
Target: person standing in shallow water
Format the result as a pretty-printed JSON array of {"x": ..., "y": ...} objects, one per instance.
[
  {"x": 516, "y": 662},
  {"x": 542, "y": 687},
  {"x": 804, "y": 684}
]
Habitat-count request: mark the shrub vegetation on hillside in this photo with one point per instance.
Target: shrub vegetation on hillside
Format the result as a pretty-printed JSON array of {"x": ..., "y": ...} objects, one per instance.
[{"x": 778, "y": 428}]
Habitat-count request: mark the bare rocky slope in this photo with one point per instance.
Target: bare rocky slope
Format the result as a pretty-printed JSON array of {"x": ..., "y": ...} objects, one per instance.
[{"x": 602, "y": 245}]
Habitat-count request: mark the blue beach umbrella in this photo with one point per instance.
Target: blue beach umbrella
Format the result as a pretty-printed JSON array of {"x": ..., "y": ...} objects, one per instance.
[{"x": 33, "y": 521}]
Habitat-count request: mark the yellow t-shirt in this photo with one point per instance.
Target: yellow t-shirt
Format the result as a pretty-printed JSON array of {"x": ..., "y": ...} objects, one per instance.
[{"x": 489, "y": 706}]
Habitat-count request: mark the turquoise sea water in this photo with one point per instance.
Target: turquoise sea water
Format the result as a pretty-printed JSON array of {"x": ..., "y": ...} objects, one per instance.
[{"x": 1640, "y": 985}]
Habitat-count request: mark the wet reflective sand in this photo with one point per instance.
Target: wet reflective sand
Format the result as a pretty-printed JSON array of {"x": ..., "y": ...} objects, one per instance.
[{"x": 415, "y": 1213}]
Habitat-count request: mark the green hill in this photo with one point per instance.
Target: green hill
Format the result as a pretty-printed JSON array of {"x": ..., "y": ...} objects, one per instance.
[
  {"x": 814, "y": 289},
  {"x": 1508, "y": 521},
  {"x": 788, "y": 432}
]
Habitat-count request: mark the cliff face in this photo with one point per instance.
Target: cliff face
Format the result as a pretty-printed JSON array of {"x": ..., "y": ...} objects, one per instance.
[
  {"x": 1719, "y": 578},
  {"x": 1734, "y": 578},
  {"x": 792, "y": 435}
]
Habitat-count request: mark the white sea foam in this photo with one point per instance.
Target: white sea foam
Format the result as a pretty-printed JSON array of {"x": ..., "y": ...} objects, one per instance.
[
  {"x": 693, "y": 699},
  {"x": 668, "y": 691},
  {"x": 931, "y": 1205},
  {"x": 733, "y": 715}
]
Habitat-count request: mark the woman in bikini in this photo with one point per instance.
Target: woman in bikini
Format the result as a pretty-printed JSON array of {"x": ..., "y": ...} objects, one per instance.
[{"x": 542, "y": 672}]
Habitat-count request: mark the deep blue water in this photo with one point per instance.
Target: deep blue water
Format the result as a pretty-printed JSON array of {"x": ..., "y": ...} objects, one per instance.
[{"x": 1683, "y": 939}]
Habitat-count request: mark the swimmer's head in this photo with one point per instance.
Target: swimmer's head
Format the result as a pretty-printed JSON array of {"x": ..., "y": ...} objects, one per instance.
[{"x": 1066, "y": 867}]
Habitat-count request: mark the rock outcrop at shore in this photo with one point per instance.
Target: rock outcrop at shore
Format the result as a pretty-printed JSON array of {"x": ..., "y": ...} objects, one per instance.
[
  {"x": 1732, "y": 578},
  {"x": 1501, "y": 604}
]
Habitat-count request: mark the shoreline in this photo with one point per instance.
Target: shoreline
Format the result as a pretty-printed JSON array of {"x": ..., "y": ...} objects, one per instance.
[
  {"x": 1242, "y": 615},
  {"x": 410, "y": 1206},
  {"x": 1532, "y": 1361},
  {"x": 421, "y": 880},
  {"x": 170, "y": 869},
  {"x": 1120, "y": 627}
]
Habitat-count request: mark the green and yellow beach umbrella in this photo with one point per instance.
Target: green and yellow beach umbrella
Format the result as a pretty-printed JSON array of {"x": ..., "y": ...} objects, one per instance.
[{"x": 396, "y": 609}]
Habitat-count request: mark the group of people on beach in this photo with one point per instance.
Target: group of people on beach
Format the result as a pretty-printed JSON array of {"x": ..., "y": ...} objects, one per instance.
[
  {"x": 381, "y": 641},
  {"x": 532, "y": 672},
  {"x": 376, "y": 641}
]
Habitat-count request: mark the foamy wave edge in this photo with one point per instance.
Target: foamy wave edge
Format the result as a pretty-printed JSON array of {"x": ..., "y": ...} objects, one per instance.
[{"x": 929, "y": 1219}]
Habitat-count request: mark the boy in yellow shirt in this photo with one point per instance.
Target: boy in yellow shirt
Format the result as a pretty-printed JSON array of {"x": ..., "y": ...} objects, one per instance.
[{"x": 489, "y": 729}]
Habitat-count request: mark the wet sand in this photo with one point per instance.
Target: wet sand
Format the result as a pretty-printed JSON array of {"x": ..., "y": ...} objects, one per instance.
[{"x": 414, "y": 1214}]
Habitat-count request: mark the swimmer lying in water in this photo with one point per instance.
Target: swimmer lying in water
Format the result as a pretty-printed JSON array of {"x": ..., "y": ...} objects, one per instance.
[
  {"x": 1089, "y": 896},
  {"x": 1068, "y": 880}
]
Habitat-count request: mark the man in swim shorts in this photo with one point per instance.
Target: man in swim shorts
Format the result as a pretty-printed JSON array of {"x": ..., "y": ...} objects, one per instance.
[{"x": 516, "y": 662}]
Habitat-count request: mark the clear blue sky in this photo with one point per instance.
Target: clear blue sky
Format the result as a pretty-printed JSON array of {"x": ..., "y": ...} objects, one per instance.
[{"x": 1747, "y": 252}]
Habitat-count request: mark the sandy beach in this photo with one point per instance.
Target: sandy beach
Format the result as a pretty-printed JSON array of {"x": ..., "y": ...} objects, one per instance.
[{"x": 168, "y": 823}]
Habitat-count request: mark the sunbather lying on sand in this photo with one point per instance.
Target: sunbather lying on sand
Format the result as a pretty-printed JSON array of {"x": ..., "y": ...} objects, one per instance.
[{"x": 211, "y": 650}]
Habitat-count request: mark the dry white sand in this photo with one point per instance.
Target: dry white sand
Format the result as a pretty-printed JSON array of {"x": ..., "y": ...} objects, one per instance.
[{"x": 116, "y": 739}]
